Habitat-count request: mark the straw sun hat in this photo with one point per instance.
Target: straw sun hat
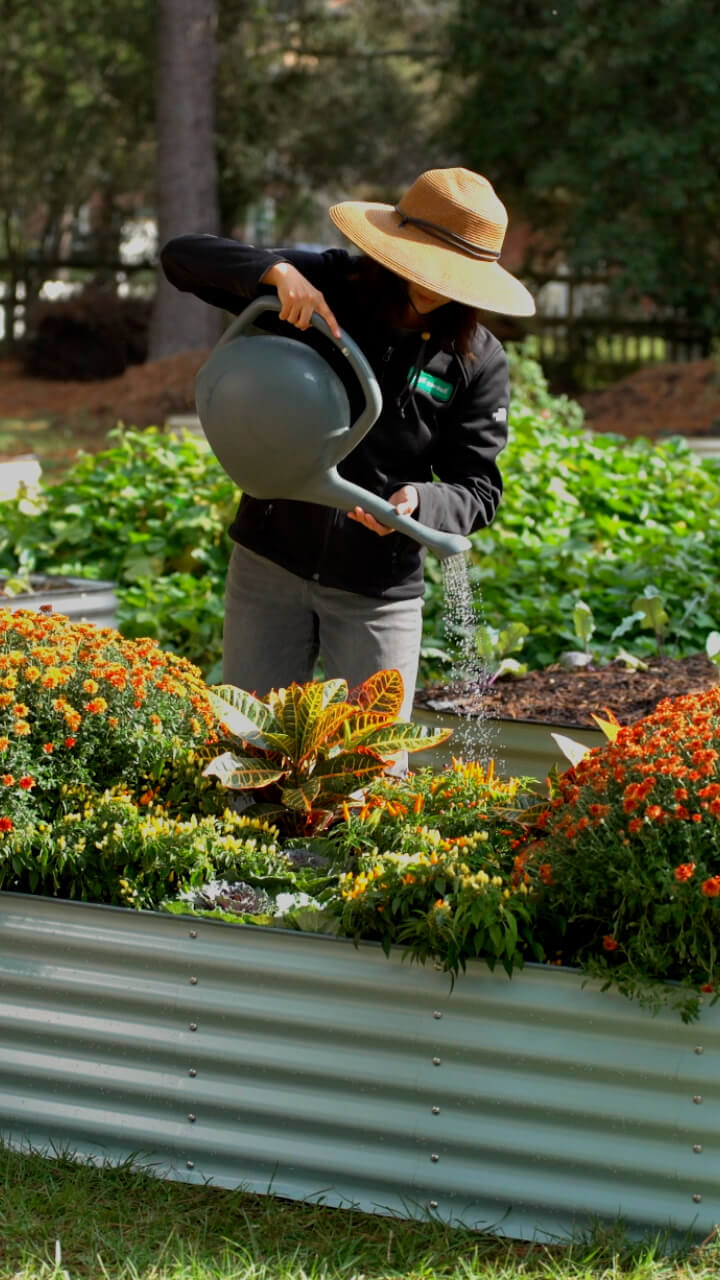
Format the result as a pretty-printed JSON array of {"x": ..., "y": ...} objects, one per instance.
[{"x": 445, "y": 234}]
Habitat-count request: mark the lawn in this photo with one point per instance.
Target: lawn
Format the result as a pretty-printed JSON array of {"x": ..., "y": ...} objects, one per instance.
[{"x": 67, "y": 1221}]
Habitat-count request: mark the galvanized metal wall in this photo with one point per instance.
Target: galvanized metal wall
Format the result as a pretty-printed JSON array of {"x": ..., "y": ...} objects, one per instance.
[
  {"x": 268, "y": 1059},
  {"x": 520, "y": 748}
]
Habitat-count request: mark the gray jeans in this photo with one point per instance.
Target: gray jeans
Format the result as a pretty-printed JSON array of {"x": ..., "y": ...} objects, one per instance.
[{"x": 277, "y": 625}]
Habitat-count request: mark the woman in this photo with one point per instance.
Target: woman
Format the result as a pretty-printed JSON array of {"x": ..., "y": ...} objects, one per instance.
[{"x": 307, "y": 581}]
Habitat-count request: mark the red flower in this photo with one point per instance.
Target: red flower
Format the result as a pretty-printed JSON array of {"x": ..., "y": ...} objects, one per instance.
[
  {"x": 48, "y": 747},
  {"x": 609, "y": 943},
  {"x": 685, "y": 871},
  {"x": 70, "y": 742},
  {"x": 711, "y": 887},
  {"x": 6, "y": 824},
  {"x": 26, "y": 783}
]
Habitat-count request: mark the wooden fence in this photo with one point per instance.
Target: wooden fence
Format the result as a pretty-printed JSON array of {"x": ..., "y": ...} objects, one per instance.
[{"x": 583, "y": 340}]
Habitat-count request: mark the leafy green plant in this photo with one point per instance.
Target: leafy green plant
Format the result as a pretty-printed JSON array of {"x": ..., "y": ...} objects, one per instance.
[
  {"x": 150, "y": 513},
  {"x": 589, "y": 518},
  {"x": 494, "y": 645},
  {"x": 306, "y": 748}
]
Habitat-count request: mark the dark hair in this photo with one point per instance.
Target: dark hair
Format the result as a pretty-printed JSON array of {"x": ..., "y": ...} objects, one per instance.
[{"x": 383, "y": 295}]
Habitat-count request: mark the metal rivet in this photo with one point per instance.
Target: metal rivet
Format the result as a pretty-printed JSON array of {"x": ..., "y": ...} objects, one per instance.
[
  {"x": 436, "y": 1111},
  {"x": 193, "y": 982},
  {"x": 698, "y": 1098},
  {"x": 697, "y": 1148},
  {"x": 697, "y": 1198},
  {"x": 190, "y": 1164},
  {"x": 436, "y": 1062},
  {"x": 193, "y": 933},
  {"x": 437, "y": 1013},
  {"x": 193, "y": 1026},
  {"x": 192, "y": 1072},
  {"x": 699, "y": 1048},
  {"x": 191, "y": 1118},
  {"x": 434, "y": 1158}
]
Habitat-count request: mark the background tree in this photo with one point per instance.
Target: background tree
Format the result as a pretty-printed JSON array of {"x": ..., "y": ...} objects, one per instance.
[
  {"x": 76, "y": 125},
  {"x": 601, "y": 123},
  {"x": 186, "y": 166},
  {"x": 318, "y": 101}
]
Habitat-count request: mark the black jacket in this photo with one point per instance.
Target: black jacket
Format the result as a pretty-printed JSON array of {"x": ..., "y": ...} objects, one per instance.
[{"x": 450, "y": 424}]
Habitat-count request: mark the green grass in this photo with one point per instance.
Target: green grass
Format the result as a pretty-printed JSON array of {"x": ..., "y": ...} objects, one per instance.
[{"x": 65, "y": 1221}]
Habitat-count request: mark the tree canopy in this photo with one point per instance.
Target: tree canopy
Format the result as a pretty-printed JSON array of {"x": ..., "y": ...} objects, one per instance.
[{"x": 601, "y": 121}]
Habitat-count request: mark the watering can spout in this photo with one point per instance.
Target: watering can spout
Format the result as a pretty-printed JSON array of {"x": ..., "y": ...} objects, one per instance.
[
  {"x": 333, "y": 490},
  {"x": 277, "y": 417}
]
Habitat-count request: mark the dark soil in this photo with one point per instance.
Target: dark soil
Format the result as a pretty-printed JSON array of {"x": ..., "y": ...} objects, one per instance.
[{"x": 569, "y": 696}]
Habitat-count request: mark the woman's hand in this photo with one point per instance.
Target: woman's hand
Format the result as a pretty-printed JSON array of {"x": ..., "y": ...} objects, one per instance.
[
  {"x": 404, "y": 500},
  {"x": 299, "y": 297}
]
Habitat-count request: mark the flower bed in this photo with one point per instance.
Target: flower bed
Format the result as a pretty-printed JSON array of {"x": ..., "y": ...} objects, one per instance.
[{"x": 119, "y": 769}]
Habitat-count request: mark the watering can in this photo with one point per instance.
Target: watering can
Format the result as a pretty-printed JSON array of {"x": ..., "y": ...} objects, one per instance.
[{"x": 277, "y": 417}]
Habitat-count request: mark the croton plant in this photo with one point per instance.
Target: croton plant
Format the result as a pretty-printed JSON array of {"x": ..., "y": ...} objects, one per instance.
[{"x": 304, "y": 751}]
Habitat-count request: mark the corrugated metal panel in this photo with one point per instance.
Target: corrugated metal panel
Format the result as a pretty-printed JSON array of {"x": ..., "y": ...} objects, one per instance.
[
  {"x": 265, "y": 1059},
  {"x": 520, "y": 748}
]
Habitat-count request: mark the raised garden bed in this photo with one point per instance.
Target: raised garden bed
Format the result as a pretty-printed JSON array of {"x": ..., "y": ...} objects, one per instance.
[
  {"x": 264, "y": 1059},
  {"x": 79, "y": 599},
  {"x": 523, "y": 714}
]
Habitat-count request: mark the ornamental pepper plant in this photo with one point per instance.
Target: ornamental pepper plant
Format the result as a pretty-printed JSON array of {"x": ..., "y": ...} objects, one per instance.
[
  {"x": 435, "y": 869},
  {"x": 628, "y": 851}
]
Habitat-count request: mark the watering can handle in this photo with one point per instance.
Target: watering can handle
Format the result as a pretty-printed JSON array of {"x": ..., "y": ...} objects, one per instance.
[{"x": 357, "y": 361}]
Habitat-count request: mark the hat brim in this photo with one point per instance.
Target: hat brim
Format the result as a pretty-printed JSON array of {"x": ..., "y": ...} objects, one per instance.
[{"x": 417, "y": 256}]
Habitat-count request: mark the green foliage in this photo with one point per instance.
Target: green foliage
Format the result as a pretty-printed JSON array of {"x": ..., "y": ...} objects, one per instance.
[
  {"x": 594, "y": 519},
  {"x": 306, "y": 748},
  {"x": 150, "y": 513},
  {"x": 76, "y": 109},
  {"x": 629, "y": 182}
]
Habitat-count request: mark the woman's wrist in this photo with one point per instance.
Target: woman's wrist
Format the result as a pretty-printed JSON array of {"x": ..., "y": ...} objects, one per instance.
[{"x": 275, "y": 273}]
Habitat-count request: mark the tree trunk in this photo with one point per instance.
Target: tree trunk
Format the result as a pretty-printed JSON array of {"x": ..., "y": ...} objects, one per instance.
[{"x": 186, "y": 166}]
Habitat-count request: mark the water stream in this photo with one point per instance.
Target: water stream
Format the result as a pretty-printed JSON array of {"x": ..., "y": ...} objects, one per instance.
[{"x": 468, "y": 675}]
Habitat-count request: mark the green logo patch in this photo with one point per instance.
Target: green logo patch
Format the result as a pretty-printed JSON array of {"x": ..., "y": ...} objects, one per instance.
[{"x": 432, "y": 386}]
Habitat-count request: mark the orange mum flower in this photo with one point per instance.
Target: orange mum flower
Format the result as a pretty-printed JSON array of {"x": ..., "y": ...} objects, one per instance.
[
  {"x": 685, "y": 871},
  {"x": 711, "y": 887}
]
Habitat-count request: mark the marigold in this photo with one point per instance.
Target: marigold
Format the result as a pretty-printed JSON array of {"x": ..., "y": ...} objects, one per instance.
[
  {"x": 685, "y": 871},
  {"x": 6, "y": 824},
  {"x": 27, "y": 783},
  {"x": 609, "y": 943},
  {"x": 711, "y": 887}
]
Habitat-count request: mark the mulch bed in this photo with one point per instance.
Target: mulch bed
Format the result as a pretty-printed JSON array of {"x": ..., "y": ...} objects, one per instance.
[
  {"x": 569, "y": 696},
  {"x": 662, "y": 400}
]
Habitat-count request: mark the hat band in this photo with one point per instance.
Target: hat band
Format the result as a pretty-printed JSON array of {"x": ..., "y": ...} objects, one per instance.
[{"x": 449, "y": 237}]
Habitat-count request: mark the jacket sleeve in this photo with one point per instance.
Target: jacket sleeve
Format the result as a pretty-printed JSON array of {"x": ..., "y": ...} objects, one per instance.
[
  {"x": 228, "y": 274},
  {"x": 467, "y": 492}
]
